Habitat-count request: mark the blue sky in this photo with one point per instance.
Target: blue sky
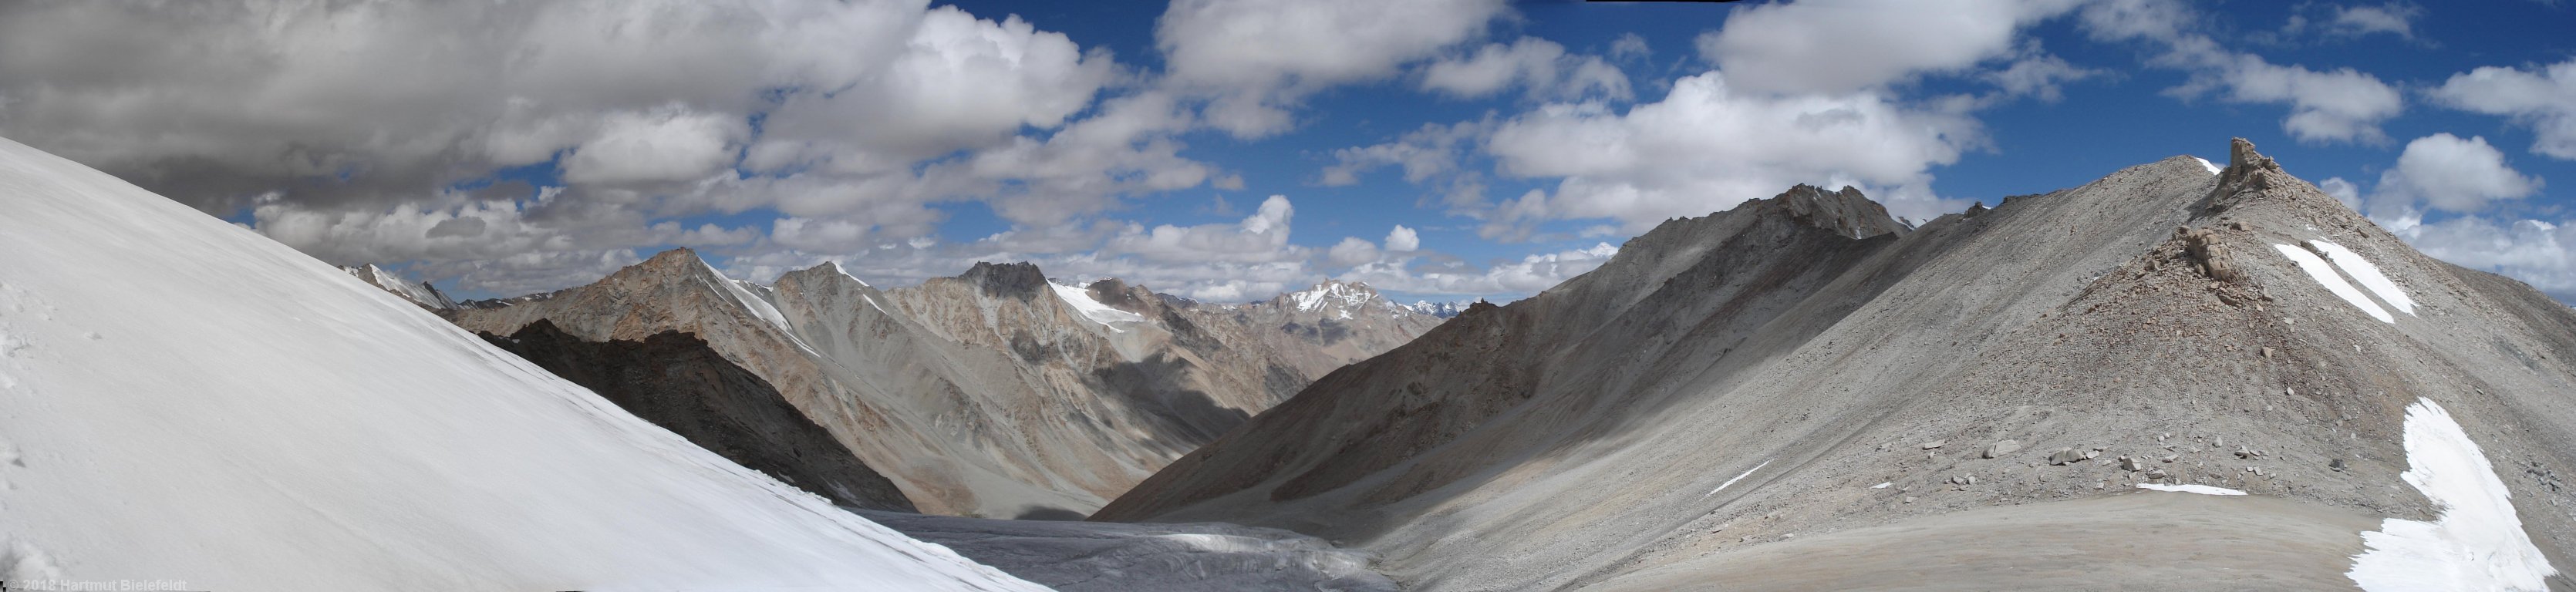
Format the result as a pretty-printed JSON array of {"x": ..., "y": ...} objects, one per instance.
[{"x": 497, "y": 149}]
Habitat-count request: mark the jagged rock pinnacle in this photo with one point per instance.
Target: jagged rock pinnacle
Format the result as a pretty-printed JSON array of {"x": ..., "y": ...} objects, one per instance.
[
  {"x": 2241, "y": 154},
  {"x": 2246, "y": 174}
]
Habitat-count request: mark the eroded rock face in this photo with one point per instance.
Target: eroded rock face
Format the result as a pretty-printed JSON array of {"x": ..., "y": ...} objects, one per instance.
[
  {"x": 1727, "y": 382},
  {"x": 675, "y": 381}
]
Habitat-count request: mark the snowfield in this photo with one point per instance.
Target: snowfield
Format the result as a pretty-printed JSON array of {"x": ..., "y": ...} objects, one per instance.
[
  {"x": 2205, "y": 163},
  {"x": 2324, "y": 274},
  {"x": 2476, "y": 544},
  {"x": 2367, "y": 274},
  {"x": 182, "y": 399}
]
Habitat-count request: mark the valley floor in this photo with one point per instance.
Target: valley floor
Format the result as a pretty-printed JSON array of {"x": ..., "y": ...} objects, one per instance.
[{"x": 1113, "y": 557}]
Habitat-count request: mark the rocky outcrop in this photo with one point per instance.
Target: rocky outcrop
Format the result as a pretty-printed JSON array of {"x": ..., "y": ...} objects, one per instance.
[
  {"x": 420, "y": 294},
  {"x": 675, "y": 381},
  {"x": 1728, "y": 383}
]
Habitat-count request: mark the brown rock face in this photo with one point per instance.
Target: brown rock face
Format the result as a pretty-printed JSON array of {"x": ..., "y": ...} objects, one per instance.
[{"x": 675, "y": 381}]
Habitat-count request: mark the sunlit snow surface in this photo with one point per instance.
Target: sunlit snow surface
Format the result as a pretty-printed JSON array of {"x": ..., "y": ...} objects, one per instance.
[
  {"x": 2367, "y": 274},
  {"x": 2205, "y": 163},
  {"x": 2476, "y": 543},
  {"x": 1081, "y": 301},
  {"x": 187, "y": 400},
  {"x": 2324, "y": 274},
  {"x": 2190, "y": 488}
]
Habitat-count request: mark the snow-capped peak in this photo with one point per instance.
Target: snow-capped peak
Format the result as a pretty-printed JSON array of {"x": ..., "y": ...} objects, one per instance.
[
  {"x": 1348, "y": 295},
  {"x": 1438, "y": 309}
]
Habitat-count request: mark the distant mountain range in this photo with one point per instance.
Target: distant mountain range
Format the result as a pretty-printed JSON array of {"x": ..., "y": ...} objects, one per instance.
[
  {"x": 1440, "y": 309},
  {"x": 995, "y": 393}
]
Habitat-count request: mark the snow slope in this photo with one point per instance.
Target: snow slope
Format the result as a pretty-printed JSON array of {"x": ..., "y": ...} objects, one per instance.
[
  {"x": 2324, "y": 274},
  {"x": 2368, "y": 274},
  {"x": 2477, "y": 544},
  {"x": 1082, "y": 302},
  {"x": 225, "y": 411}
]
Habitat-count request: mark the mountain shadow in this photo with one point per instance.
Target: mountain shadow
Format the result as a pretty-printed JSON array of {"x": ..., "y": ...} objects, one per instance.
[{"x": 675, "y": 381}]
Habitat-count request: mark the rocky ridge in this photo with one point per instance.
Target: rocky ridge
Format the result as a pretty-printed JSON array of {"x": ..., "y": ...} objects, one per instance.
[{"x": 1730, "y": 392}]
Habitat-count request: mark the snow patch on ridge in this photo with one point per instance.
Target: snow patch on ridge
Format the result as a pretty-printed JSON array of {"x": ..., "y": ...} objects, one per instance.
[
  {"x": 1081, "y": 302},
  {"x": 2190, "y": 488},
  {"x": 759, "y": 307},
  {"x": 2363, "y": 271},
  {"x": 2205, "y": 163},
  {"x": 2476, "y": 544},
  {"x": 2325, "y": 275}
]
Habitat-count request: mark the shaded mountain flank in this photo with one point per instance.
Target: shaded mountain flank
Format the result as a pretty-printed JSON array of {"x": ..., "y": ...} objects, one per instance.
[
  {"x": 675, "y": 381},
  {"x": 1799, "y": 393},
  {"x": 996, "y": 393}
]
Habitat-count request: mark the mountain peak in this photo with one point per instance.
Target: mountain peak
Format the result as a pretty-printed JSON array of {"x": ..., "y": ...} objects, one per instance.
[
  {"x": 1330, "y": 292},
  {"x": 678, "y": 256},
  {"x": 1020, "y": 280},
  {"x": 681, "y": 260},
  {"x": 1845, "y": 212}
]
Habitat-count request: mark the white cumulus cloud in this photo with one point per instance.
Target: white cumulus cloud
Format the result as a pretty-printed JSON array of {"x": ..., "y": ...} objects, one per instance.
[
  {"x": 2337, "y": 105},
  {"x": 1260, "y": 58},
  {"x": 1541, "y": 66},
  {"x": 2542, "y": 98},
  {"x": 667, "y": 144},
  {"x": 1402, "y": 239},
  {"x": 1706, "y": 147},
  {"x": 2450, "y": 173},
  {"x": 1839, "y": 46}
]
